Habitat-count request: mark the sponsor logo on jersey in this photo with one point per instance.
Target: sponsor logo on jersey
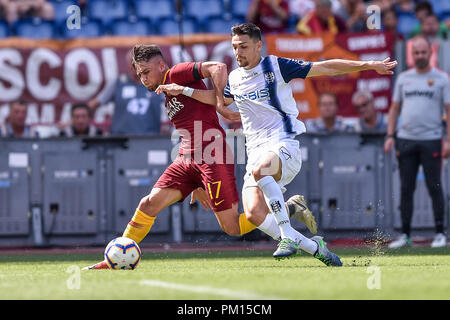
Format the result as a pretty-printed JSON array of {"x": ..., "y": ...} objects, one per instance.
[
  {"x": 249, "y": 76},
  {"x": 173, "y": 106},
  {"x": 427, "y": 94},
  {"x": 261, "y": 94}
]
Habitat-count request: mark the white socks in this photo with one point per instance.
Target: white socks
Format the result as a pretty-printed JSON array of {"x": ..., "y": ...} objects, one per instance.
[
  {"x": 275, "y": 201},
  {"x": 270, "y": 227}
]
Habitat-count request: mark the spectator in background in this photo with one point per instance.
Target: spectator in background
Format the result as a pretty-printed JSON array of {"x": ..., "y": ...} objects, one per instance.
[
  {"x": 370, "y": 120},
  {"x": 321, "y": 20},
  {"x": 421, "y": 94},
  {"x": 389, "y": 22},
  {"x": 404, "y": 7},
  {"x": 136, "y": 109},
  {"x": 81, "y": 123},
  {"x": 14, "y": 126},
  {"x": 300, "y": 8},
  {"x": 434, "y": 34},
  {"x": 423, "y": 12},
  {"x": 353, "y": 12},
  {"x": 432, "y": 29},
  {"x": 269, "y": 15},
  {"x": 23, "y": 9},
  {"x": 329, "y": 121}
]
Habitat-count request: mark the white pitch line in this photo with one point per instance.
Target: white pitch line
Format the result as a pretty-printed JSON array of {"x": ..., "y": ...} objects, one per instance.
[{"x": 206, "y": 289}]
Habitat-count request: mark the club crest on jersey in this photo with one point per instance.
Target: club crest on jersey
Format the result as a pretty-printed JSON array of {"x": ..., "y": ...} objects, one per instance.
[{"x": 269, "y": 76}]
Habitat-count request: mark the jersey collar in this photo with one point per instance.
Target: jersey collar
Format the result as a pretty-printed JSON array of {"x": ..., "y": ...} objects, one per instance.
[{"x": 165, "y": 76}]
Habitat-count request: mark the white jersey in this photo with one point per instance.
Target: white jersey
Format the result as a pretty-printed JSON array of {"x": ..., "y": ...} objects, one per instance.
[{"x": 265, "y": 101}]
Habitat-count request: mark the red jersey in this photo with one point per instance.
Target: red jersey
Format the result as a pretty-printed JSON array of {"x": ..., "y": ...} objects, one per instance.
[{"x": 190, "y": 117}]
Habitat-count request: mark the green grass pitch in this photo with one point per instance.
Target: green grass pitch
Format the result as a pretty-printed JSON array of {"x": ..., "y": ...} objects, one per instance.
[{"x": 412, "y": 273}]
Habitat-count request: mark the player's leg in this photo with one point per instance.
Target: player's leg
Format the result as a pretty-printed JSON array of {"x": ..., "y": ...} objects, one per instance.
[
  {"x": 255, "y": 207},
  {"x": 145, "y": 215},
  {"x": 219, "y": 182},
  {"x": 408, "y": 165},
  {"x": 256, "y": 211},
  {"x": 266, "y": 174},
  {"x": 148, "y": 209},
  {"x": 430, "y": 157},
  {"x": 175, "y": 184}
]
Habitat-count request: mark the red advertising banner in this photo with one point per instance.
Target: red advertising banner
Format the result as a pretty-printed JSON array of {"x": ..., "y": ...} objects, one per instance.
[
  {"x": 354, "y": 46},
  {"x": 50, "y": 75}
]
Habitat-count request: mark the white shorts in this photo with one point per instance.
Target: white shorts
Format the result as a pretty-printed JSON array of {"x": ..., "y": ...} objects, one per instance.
[{"x": 288, "y": 150}]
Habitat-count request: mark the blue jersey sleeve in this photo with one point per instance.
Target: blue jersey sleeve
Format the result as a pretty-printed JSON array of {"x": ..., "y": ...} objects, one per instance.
[
  {"x": 293, "y": 68},
  {"x": 226, "y": 91}
]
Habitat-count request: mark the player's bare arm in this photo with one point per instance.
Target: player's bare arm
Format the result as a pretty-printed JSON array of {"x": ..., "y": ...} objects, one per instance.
[
  {"x": 334, "y": 67},
  {"x": 394, "y": 112},
  {"x": 446, "y": 144},
  {"x": 217, "y": 71}
]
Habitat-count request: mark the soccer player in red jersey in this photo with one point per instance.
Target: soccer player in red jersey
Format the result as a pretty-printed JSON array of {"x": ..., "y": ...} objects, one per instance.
[{"x": 204, "y": 166}]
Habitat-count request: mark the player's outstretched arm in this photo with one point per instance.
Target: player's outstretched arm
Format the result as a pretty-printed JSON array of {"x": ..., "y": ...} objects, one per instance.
[
  {"x": 204, "y": 96},
  {"x": 334, "y": 67}
]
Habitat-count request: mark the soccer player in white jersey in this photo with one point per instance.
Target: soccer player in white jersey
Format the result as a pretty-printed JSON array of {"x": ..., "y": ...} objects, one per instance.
[{"x": 260, "y": 88}]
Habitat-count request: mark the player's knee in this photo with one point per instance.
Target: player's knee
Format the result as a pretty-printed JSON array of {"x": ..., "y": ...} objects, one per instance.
[
  {"x": 232, "y": 230},
  {"x": 148, "y": 206},
  {"x": 258, "y": 173}
]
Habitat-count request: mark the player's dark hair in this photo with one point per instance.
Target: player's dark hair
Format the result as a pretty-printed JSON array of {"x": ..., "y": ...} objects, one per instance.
[
  {"x": 145, "y": 52},
  {"x": 80, "y": 105},
  {"x": 248, "y": 29}
]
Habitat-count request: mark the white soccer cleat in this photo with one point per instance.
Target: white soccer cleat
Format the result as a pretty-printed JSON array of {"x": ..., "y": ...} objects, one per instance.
[
  {"x": 439, "y": 241},
  {"x": 400, "y": 242}
]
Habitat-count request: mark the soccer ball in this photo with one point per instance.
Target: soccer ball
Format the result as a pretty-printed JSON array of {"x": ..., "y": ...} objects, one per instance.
[{"x": 122, "y": 253}]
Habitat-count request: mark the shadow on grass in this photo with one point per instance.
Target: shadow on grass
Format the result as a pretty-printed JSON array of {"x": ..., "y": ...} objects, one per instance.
[{"x": 148, "y": 255}]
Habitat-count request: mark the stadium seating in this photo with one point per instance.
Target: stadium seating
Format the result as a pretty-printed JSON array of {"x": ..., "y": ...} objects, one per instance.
[
  {"x": 89, "y": 29},
  {"x": 60, "y": 9},
  {"x": 203, "y": 9},
  {"x": 130, "y": 27},
  {"x": 219, "y": 25},
  {"x": 146, "y": 9},
  {"x": 4, "y": 29},
  {"x": 107, "y": 10},
  {"x": 441, "y": 7},
  {"x": 170, "y": 26},
  {"x": 239, "y": 8},
  {"x": 35, "y": 28}
]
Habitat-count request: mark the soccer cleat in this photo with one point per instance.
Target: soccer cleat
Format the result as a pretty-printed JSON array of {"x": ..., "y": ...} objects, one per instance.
[
  {"x": 286, "y": 248},
  {"x": 302, "y": 213},
  {"x": 439, "y": 241},
  {"x": 400, "y": 242},
  {"x": 325, "y": 255},
  {"x": 97, "y": 266}
]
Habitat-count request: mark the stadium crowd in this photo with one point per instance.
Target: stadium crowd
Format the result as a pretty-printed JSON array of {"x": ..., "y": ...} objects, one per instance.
[{"x": 42, "y": 19}]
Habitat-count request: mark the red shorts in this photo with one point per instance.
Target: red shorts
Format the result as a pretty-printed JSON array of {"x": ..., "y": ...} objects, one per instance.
[{"x": 217, "y": 179}]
